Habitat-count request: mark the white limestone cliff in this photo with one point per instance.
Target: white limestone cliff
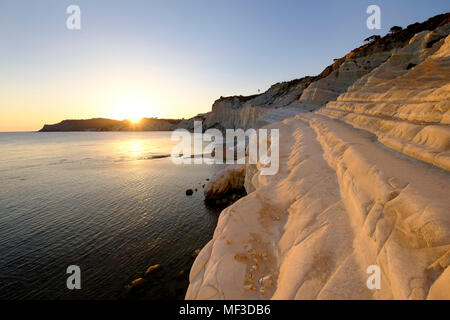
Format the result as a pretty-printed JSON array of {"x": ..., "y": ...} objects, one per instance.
[
  {"x": 312, "y": 92},
  {"x": 363, "y": 181},
  {"x": 249, "y": 112}
]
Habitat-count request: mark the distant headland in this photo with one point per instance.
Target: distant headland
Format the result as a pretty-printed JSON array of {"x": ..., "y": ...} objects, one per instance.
[{"x": 102, "y": 124}]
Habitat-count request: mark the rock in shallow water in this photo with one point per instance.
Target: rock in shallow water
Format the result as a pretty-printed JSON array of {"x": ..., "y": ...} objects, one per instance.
[
  {"x": 138, "y": 282},
  {"x": 195, "y": 253},
  {"x": 228, "y": 181},
  {"x": 151, "y": 269}
]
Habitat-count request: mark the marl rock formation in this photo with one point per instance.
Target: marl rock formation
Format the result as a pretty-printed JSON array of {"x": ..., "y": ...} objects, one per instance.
[{"x": 363, "y": 183}]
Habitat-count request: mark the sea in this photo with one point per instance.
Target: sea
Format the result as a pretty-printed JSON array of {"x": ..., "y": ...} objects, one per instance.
[{"x": 111, "y": 203}]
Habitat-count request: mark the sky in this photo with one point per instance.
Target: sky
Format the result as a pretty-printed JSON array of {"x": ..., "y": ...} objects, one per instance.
[{"x": 170, "y": 59}]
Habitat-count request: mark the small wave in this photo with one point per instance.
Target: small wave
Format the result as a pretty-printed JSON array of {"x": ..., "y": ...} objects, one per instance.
[{"x": 155, "y": 156}]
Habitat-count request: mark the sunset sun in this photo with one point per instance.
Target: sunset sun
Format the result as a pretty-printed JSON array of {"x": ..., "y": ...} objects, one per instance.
[
  {"x": 135, "y": 118},
  {"x": 131, "y": 108}
]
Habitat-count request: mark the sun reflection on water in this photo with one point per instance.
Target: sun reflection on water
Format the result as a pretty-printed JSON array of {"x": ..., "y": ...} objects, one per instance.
[
  {"x": 131, "y": 148},
  {"x": 138, "y": 148}
]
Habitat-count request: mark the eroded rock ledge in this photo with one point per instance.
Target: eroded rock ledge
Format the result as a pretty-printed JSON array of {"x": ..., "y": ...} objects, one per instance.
[
  {"x": 227, "y": 186},
  {"x": 363, "y": 181}
]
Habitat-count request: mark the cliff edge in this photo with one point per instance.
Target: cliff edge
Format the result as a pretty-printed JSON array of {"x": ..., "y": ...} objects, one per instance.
[{"x": 363, "y": 183}]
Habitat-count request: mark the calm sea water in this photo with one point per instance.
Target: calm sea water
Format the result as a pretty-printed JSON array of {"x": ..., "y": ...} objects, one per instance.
[{"x": 97, "y": 200}]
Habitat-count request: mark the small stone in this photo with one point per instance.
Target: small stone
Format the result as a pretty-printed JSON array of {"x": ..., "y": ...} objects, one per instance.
[
  {"x": 266, "y": 281},
  {"x": 189, "y": 192},
  {"x": 253, "y": 268},
  {"x": 137, "y": 282},
  {"x": 195, "y": 253},
  {"x": 181, "y": 274},
  {"x": 126, "y": 291},
  {"x": 151, "y": 269}
]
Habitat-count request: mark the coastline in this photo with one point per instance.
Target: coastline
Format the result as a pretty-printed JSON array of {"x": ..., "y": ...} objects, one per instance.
[
  {"x": 157, "y": 282},
  {"x": 362, "y": 186},
  {"x": 91, "y": 199}
]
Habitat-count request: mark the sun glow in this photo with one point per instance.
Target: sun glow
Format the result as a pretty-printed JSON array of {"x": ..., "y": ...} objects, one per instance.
[
  {"x": 131, "y": 108},
  {"x": 135, "y": 119}
]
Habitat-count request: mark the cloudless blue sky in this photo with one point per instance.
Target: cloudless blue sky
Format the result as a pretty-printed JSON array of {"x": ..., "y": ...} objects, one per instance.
[{"x": 184, "y": 54}]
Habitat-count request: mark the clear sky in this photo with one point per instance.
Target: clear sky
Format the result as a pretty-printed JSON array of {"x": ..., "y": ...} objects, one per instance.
[{"x": 170, "y": 58}]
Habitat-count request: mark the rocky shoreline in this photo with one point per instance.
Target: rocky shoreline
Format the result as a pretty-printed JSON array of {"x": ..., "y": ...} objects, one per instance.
[
  {"x": 364, "y": 170},
  {"x": 220, "y": 191},
  {"x": 363, "y": 182}
]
